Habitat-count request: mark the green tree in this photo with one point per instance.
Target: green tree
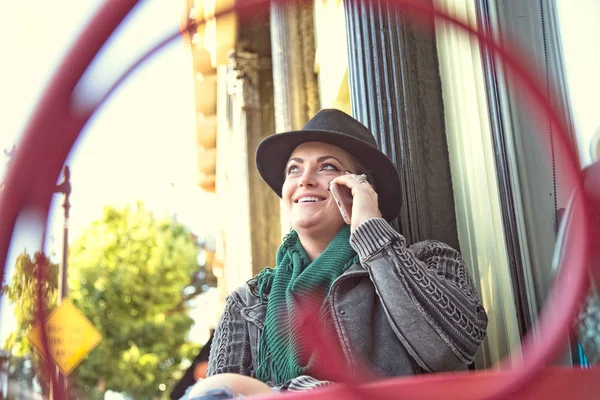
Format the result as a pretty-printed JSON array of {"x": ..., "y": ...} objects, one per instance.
[
  {"x": 32, "y": 279},
  {"x": 128, "y": 274}
]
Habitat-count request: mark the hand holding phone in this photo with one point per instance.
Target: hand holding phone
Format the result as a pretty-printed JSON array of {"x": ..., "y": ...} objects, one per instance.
[{"x": 343, "y": 198}]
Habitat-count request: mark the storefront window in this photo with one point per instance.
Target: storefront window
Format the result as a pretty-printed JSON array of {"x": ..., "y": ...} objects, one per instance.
[{"x": 506, "y": 169}]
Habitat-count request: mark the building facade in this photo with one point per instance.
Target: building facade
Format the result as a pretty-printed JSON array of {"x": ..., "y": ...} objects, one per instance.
[{"x": 479, "y": 168}]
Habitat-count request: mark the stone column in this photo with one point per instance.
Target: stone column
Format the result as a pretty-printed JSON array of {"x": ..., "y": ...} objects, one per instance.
[
  {"x": 295, "y": 84},
  {"x": 253, "y": 230},
  {"x": 293, "y": 54},
  {"x": 395, "y": 90}
]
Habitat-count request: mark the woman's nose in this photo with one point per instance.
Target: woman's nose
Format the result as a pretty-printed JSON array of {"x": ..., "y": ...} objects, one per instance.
[{"x": 307, "y": 179}]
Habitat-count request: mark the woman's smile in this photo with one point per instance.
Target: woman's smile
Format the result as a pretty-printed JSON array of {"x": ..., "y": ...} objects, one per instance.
[{"x": 309, "y": 198}]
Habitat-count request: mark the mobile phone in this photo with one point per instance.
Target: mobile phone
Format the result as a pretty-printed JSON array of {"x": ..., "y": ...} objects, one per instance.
[{"x": 343, "y": 198}]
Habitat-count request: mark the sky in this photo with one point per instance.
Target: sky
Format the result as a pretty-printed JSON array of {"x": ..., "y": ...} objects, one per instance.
[{"x": 139, "y": 146}]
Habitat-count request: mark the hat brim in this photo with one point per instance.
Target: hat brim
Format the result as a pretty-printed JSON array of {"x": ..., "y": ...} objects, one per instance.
[{"x": 274, "y": 152}]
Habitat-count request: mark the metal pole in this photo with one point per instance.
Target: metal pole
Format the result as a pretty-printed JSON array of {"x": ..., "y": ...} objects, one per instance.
[
  {"x": 65, "y": 188},
  {"x": 63, "y": 290}
]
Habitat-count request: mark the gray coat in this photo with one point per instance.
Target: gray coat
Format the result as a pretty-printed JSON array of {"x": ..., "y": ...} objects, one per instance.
[{"x": 401, "y": 311}]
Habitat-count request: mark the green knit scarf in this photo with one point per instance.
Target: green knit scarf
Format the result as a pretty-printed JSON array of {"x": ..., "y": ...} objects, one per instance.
[{"x": 295, "y": 279}]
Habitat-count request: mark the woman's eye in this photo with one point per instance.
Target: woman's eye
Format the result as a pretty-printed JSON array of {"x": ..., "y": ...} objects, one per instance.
[
  {"x": 292, "y": 169},
  {"x": 329, "y": 167}
]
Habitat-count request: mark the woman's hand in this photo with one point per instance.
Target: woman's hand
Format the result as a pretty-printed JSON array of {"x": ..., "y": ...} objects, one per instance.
[{"x": 365, "y": 204}]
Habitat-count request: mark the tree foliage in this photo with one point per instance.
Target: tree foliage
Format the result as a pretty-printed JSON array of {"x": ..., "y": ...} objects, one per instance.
[
  {"x": 128, "y": 273},
  {"x": 33, "y": 278}
]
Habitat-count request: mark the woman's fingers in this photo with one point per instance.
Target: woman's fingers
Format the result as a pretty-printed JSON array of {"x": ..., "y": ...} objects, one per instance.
[
  {"x": 352, "y": 181},
  {"x": 365, "y": 204}
]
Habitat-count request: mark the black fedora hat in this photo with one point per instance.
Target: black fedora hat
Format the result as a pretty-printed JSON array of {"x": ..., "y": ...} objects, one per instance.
[{"x": 339, "y": 129}]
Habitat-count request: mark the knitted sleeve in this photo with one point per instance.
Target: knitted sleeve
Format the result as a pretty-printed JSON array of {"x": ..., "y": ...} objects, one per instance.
[
  {"x": 303, "y": 383},
  {"x": 427, "y": 294},
  {"x": 230, "y": 349}
]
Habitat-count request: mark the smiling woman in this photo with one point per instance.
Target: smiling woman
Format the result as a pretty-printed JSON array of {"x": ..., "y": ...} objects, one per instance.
[{"x": 396, "y": 310}]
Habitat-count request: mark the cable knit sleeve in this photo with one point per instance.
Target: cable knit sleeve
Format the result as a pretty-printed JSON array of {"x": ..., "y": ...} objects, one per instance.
[
  {"x": 427, "y": 294},
  {"x": 230, "y": 350}
]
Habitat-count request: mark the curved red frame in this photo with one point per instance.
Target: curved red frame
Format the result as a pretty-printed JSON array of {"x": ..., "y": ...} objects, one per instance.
[{"x": 56, "y": 124}]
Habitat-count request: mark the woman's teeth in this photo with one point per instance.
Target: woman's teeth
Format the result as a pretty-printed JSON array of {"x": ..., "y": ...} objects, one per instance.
[{"x": 309, "y": 200}]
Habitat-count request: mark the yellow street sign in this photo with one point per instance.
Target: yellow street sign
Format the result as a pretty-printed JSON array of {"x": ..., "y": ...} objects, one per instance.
[{"x": 71, "y": 336}]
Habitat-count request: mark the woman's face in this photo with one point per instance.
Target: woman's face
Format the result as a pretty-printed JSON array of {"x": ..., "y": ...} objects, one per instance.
[{"x": 308, "y": 204}]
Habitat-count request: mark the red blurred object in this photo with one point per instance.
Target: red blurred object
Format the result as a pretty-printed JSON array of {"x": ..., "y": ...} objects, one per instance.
[{"x": 550, "y": 384}]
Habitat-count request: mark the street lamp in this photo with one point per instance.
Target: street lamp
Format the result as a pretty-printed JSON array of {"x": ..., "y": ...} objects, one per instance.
[{"x": 63, "y": 290}]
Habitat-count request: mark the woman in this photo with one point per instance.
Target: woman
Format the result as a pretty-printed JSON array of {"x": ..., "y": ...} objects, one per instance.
[{"x": 396, "y": 310}]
